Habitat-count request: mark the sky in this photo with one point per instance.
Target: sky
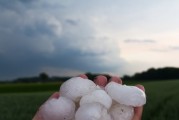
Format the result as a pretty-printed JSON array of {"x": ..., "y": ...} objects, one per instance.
[{"x": 70, "y": 37}]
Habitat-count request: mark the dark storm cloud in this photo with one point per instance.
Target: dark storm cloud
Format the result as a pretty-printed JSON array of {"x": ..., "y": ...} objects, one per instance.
[
  {"x": 72, "y": 22},
  {"x": 32, "y": 38}
]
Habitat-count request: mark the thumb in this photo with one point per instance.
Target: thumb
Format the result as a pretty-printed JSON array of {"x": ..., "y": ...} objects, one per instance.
[
  {"x": 138, "y": 110},
  {"x": 138, "y": 113}
]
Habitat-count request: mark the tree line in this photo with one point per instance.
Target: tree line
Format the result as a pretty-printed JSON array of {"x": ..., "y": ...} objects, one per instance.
[
  {"x": 150, "y": 74},
  {"x": 165, "y": 73}
]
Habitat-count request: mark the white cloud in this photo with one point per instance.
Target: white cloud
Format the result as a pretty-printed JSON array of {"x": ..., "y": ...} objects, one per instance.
[{"x": 139, "y": 41}]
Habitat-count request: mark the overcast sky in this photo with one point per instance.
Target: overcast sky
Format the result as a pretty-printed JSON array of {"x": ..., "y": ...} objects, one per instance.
[{"x": 69, "y": 37}]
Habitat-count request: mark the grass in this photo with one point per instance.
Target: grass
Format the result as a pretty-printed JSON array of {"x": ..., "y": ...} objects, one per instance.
[
  {"x": 20, "y": 101},
  {"x": 20, "y": 106},
  {"x": 29, "y": 87},
  {"x": 162, "y": 100}
]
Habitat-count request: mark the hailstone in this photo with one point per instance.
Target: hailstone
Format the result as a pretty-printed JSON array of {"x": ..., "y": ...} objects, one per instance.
[
  {"x": 127, "y": 95},
  {"x": 58, "y": 109},
  {"x": 99, "y": 96},
  {"x": 92, "y": 111},
  {"x": 121, "y": 112},
  {"x": 77, "y": 87}
]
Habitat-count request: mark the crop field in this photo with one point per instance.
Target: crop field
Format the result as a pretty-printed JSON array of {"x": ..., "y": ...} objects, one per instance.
[{"x": 20, "y": 101}]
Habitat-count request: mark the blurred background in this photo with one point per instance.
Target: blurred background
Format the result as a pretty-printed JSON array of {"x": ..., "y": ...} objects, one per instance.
[{"x": 45, "y": 42}]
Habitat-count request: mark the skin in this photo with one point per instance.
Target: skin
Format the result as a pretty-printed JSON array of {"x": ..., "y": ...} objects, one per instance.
[{"x": 101, "y": 81}]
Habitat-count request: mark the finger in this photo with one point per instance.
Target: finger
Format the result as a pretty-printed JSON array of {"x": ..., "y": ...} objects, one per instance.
[
  {"x": 138, "y": 113},
  {"x": 115, "y": 79},
  {"x": 55, "y": 95},
  {"x": 37, "y": 117},
  {"x": 141, "y": 87},
  {"x": 138, "y": 110},
  {"x": 101, "y": 80},
  {"x": 83, "y": 76}
]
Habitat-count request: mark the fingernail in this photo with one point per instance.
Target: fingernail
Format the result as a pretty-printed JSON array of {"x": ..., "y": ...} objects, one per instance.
[
  {"x": 83, "y": 76},
  {"x": 115, "y": 79},
  {"x": 141, "y": 87},
  {"x": 101, "y": 80}
]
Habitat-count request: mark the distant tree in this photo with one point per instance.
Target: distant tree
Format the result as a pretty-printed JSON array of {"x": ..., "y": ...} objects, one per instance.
[
  {"x": 126, "y": 77},
  {"x": 157, "y": 74},
  {"x": 43, "y": 76},
  {"x": 92, "y": 76}
]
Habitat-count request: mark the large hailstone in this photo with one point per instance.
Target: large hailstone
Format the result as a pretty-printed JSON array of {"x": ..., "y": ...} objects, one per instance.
[
  {"x": 121, "y": 112},
  {"x": 99, "y": 96},
  {"x": 92, "y": 111},
  {"x": 58, "y": 109},
  {"x": 127, "y": 95},
  {"x": 77, "y": 87}
]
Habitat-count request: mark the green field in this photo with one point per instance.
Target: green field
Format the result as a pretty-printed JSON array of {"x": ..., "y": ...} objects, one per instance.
[{"x": 20, "y": 101}]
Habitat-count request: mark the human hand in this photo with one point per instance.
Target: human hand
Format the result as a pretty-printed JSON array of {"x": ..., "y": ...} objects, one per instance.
[{"x": 101, "y": 81}]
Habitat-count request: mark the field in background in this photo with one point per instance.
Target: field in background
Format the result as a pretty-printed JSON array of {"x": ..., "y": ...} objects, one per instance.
[{"x": 20, "y": 101}]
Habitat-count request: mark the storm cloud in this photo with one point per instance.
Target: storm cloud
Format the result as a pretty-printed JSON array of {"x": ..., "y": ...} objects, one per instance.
[
  {"x": 69, "y": 37},
  {"x": 37, "y": 36}
]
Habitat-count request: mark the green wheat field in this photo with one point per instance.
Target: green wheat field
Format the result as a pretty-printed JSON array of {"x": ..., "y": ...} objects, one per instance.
[{"x": 20, "y": 101}]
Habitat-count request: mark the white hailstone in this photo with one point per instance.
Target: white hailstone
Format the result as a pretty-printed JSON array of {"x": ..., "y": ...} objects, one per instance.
[
  {"x": 127, "y": 95},
  {"x": 99, "y": 87},
  {"x": 58, "y": 109},
  {"x": 92, "y": 111},
  {"x": 77, "y": 87},
  {"x": 121, "y": 112},
  {"x": 105, "y": 115},
  {"x": 99, "y": 96}
]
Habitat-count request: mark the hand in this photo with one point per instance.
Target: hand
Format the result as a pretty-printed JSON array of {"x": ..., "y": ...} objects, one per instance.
[{"x": 101, "y": 81}]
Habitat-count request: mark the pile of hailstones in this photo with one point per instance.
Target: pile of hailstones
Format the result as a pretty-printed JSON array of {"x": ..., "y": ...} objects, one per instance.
[{"x": 82, "y": 99}]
